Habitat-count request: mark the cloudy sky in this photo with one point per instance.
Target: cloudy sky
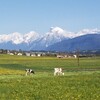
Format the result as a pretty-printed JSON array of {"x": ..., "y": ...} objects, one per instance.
[{"x": 39, "y": 15}]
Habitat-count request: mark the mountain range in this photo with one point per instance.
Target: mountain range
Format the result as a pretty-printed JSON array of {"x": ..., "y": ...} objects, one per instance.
[
  {"x": 85, "y": 42},
  {"x": 56, "y": 39}
]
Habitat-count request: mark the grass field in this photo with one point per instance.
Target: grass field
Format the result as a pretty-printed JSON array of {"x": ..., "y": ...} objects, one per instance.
[{"x": 79, "y": 82}]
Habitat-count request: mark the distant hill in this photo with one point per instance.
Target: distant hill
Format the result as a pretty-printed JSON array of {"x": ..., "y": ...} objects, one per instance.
[{"x": 85, "y": 42}]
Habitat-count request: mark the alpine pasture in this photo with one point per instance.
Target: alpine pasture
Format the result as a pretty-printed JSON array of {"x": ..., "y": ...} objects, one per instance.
[{"x": 78, "y": 83}]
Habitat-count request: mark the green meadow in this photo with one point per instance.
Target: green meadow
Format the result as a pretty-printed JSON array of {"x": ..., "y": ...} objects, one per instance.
[{"x": 79, "y": 82}]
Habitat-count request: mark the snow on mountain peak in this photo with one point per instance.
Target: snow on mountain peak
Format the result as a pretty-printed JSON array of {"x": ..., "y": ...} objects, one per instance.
[
  {"x": 16, "y": 38},
  {"x": 55, "y": 33},
  {"x": 56, "y": 30},
  {"x": 4, "y": 38},
  {"x": 59, "y": 32},
  {"x": 83, "y": 32},
  {"x": 88, "y": 31},
  {"x": 31, "y": 36}
]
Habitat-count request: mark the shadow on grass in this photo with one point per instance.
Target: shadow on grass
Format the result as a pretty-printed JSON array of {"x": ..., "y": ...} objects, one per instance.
[{"x": 13, "y": 66}]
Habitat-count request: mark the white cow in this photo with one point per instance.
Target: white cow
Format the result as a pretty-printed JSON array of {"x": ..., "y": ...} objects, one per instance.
[
  {"x": 29, "y": 71},
  {"x": 58, "y": 71}
]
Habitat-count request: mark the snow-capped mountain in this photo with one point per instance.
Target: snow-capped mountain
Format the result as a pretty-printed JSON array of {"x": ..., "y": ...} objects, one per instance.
[
  {"x": 84, "y": 42},
  {"x": 18, "y": 41},
  {"x": 88, "y": 31},
  {"x": 35, "y": 41},
  {"x": 17, "y": 38},
  {"x": 55, "y": 35},
  {"x": 30, "y": 37}
]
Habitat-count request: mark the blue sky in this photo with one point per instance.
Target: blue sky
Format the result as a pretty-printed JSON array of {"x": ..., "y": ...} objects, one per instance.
[{"x": 24, "y": 16}]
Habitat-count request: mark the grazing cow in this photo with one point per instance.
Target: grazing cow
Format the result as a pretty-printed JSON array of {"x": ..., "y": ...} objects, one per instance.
[
  {"x": 29, "y": 71},
  {"x": 58, "y": 71}
]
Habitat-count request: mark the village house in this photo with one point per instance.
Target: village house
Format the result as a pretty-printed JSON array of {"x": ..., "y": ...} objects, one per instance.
[{"x": 19, "y": 54}]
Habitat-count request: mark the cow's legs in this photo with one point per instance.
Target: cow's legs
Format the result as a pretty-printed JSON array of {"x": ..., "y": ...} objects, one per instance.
[{"x": 26, "y": 73}]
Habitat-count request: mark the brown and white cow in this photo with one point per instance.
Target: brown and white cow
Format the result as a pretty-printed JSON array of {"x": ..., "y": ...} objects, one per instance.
[{"x": 58, "y": 71}]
